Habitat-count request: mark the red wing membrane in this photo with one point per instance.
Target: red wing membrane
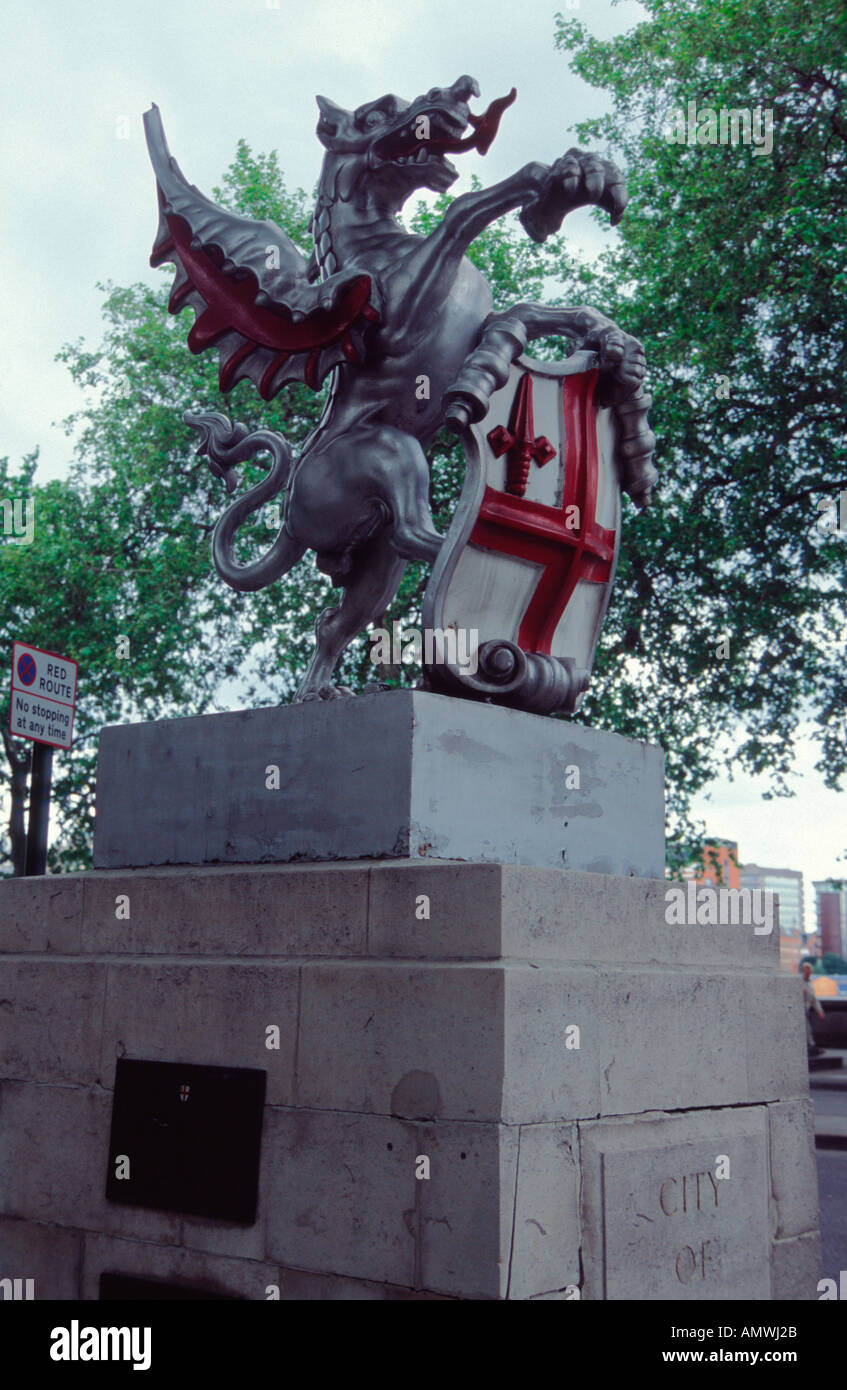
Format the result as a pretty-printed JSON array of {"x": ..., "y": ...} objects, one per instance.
[{"x": 267, "y": 321}]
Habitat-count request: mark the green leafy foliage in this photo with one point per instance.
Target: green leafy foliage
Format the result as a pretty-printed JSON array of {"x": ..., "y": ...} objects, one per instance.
[
  {"x": 121, "y": 548},
  {"x": 832, "y": 964},
  {"x": 730, "y": 268}
]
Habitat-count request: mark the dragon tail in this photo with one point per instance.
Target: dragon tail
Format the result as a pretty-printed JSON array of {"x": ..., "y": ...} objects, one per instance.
[{"x": 226, "y": 444}]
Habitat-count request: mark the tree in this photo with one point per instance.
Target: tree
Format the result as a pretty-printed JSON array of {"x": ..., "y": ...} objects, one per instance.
[
  {"x": 730, "y": 268},
  {"x": 118, "y": 575},
  {"x": 15, "y": 486},
  {"x": 110, "y": 581},
  {"x": 832, "y": 964}
]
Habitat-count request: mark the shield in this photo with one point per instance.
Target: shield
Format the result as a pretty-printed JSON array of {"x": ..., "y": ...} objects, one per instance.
[{"x": 523, "y": 581}]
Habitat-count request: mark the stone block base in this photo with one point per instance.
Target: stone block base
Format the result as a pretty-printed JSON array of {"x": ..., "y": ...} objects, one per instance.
[
  {"x": 491, "y": 1082},
  {"x": 400, "y": 774}
]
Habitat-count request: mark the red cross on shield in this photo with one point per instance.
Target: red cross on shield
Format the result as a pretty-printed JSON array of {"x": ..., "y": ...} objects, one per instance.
[{"x": 529, "y": 560}]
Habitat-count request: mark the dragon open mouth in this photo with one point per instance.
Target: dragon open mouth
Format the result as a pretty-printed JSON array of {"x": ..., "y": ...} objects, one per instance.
[
  {"x": 405, "y": 146},
  {"x": 485, "y": 129}
]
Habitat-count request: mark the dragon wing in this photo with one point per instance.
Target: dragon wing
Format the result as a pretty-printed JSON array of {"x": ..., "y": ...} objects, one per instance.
[{"x": 268, "y": 322}]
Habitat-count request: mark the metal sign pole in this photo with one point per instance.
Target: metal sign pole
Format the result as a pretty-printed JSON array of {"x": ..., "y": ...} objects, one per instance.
[{"x": 39, "y": 810}]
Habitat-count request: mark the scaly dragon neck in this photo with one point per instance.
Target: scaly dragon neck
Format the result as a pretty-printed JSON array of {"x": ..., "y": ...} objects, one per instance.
[
  {"x": 346, "y": 218},
  {"x": 322, "y": 231}
]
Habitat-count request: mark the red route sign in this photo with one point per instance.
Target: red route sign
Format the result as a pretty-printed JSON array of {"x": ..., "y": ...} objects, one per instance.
[{"x": 43, "y": 697}]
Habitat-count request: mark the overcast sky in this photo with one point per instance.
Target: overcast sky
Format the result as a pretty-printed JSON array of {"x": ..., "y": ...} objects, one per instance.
[{"x": 79, "y": 204}]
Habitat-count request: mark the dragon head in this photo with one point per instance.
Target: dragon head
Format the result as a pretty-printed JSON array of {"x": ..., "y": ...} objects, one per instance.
[{"x": 403, "y": 145}]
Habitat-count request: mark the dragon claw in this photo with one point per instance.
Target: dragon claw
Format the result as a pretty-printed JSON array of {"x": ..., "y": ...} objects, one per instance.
[
  {"x": 324, "y": 692},
  {"x": 575, "y": 180}
]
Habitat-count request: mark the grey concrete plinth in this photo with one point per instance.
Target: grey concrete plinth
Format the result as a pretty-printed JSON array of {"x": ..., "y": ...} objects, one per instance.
[
  {"x": 401, "y": 774},
  {"x": 609, "y": 1107}
]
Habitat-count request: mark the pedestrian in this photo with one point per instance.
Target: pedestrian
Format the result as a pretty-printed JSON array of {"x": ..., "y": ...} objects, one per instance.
[{"x": 812, "y": 1005}]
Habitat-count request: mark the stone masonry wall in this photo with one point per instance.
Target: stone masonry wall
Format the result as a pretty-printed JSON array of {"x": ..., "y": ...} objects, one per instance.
[{"x": 572, "y": 1067}]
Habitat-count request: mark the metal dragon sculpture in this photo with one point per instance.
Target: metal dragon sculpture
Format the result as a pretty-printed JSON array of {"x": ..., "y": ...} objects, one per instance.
[{"x": 383, "y": 310}]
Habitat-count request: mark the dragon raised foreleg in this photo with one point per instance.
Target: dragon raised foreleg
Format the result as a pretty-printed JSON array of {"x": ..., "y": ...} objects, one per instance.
[
  {"x": 620, "y": 359},
  {"x": 544, "y": 193}
]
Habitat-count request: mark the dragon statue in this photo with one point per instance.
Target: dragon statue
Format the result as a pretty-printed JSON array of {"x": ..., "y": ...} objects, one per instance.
[{"x": 382, "y": 309}]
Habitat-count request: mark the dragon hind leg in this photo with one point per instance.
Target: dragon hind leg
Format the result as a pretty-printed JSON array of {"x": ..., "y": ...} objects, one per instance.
[
  {"x": 406, "y": 495},
  {"x": 374, "y": 580}
]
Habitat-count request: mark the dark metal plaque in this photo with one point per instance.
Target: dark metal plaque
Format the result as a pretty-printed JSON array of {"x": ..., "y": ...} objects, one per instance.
[
  {"x": 187, "y": 1139},
  {"x": 128, "y": 1288}
]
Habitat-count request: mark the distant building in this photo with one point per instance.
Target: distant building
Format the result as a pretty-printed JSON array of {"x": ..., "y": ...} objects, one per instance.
[
  {"x": 720, "y": 865},
  {"x": 831, "y": 909},
  {"x": 788, "y": 883},
  {"x": 721, "y": 868},
  {"x": 792, "y": 949}
]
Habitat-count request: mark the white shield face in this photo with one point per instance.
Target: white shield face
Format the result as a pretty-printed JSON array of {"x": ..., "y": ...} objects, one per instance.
[{"x": 531, "y": 554}]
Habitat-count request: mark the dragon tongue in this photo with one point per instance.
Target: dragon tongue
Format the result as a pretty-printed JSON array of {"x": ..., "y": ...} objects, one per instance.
[
  {"x": 485, "y": 129},
  {"x": 487, "y": 125}
]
